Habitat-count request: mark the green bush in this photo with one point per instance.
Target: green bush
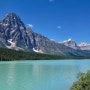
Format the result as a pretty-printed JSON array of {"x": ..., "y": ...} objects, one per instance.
[{"x": 83, "y": 82}]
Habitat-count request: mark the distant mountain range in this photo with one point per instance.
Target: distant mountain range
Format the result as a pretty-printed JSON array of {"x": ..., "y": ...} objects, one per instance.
[
  {"x": 71, "y": 43},
  {"x": 15, "y": 35}
]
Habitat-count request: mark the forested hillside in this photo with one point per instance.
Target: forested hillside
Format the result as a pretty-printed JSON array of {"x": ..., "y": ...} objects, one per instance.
[{"x": 9, "y": 55}]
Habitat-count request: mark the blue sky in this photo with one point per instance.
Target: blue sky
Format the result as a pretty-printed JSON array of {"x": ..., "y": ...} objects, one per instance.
[{"x": 55, "y": 19}]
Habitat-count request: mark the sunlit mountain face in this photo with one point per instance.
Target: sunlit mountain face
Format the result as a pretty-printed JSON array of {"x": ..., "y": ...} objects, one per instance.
[{"x": 15, "y": 35}]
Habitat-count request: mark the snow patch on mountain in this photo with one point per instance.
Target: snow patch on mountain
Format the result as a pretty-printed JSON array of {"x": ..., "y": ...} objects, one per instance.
[
  {"x": 38, "y": 51},
  {"x": 68, "y": 40},
  {"x": 13, "y": 45}
]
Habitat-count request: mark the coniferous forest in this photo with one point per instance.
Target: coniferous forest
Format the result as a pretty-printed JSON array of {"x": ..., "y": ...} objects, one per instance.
[{"x": 11, "y": 55}]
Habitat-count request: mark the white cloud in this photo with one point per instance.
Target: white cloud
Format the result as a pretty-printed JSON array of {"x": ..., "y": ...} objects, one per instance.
[
  {"x": 30, "y": 25},
  {"x": 51, "y": 0},
  {"x": 59, "y": 27}
]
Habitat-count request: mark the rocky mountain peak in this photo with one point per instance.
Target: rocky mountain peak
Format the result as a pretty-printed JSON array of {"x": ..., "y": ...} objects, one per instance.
[
  {"x": 12, "y": 20},
  {"x": 11, "y": 16},
  {"x": 83, "y": 44},
  {"x": 70, "y": 43},
  {"x": 68, "y": 40},
  {"x": 13, "y": 31}
]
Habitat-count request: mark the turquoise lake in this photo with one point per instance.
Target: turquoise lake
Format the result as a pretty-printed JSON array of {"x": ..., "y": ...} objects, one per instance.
[{"x": 41, "y": 75}]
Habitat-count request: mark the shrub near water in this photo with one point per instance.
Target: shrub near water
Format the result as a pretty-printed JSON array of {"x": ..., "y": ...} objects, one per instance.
[{"x": 83, "y": 82}]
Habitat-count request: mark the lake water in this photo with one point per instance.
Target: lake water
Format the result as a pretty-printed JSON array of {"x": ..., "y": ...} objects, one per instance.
[{"x": 41, "y": 75}]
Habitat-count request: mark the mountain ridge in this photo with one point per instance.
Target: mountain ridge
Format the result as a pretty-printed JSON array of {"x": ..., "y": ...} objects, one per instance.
[
  {"x": 71, "y": 43},
  {"x": 15, "y": 35}
]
